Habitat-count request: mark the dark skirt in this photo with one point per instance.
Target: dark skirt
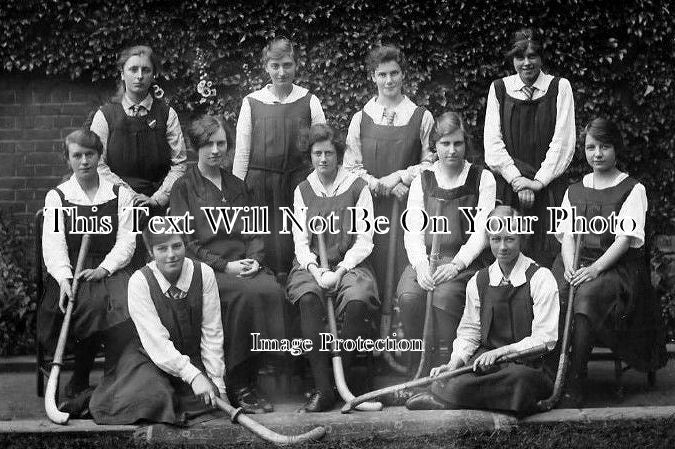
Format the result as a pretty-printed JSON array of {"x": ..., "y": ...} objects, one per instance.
[
  {"x": 540, "y": 246},
  {"x": 275, "y": 190},
  {"x": 380, "y": 257},
  {"x": 136, "y": 390},
  {"x": 99, "y": 306},
  {"x": 358, "y": 284},
  {"x": 622, "y": 308},
  {"x": 508, "y": 387},
  {"x": 249, "y": 305},
  {"x": 449, "y": 296}
]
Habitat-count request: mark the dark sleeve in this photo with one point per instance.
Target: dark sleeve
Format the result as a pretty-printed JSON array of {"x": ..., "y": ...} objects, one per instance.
[
  {"x": 180, "y": 200},
  {"x": 255, "y": 244}
]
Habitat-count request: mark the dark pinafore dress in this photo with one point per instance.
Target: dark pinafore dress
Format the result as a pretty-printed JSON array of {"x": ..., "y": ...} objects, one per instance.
[
  {"x": 138, "y": 152},
  {"x": 276, "y": 167},
  {"x": 358, "y": 284},
  {"x": 506, "y": 315},
  {"x": 137, "y": 149},
  {"x": 527, "y": 128},
  {"x": 620, "y": 303},
  {"x": 137, "y": 390},
  {"x": 386, "y": 149},
  {"x": 100, "y": 305},
  {"x": 449, "y": 296}
]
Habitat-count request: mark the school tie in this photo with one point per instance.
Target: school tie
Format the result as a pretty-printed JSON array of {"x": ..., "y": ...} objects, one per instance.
[
  {"x": 137, "y": 110},
  {"x": 504, "y": 282},
  {"x": 175, "y": 293},
  {"x": 529, "y": 91},
  {"x": 388, "y": 116}
]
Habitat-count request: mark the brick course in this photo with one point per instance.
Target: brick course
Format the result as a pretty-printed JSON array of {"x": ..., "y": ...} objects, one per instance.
[{"x": 36, "y": 113}]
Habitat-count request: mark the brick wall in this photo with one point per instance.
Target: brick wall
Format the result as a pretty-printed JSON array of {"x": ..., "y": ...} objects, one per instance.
[{"x": 35, "y": 116}]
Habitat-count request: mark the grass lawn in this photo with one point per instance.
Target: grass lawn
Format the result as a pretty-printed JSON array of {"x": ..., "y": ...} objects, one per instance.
[{"x": 634, "y": 434}]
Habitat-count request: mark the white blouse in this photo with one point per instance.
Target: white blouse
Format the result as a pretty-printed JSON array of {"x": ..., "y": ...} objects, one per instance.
[
  {"x": 561, "y": 148},
  {"x": 363, "y": 243},
  {"x": 634, "y": 208},
  {"x": 155, "y": 337},
  {"x": 544, "y": 293},
  {"x": 54, "y": 247},
  {"x": 353, "y": 160},
  {"x": 414, "y": 241}
]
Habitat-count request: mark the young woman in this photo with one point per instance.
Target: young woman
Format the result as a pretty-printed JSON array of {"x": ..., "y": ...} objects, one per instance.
[
  {"x": 511, "y": 306},
  {"x": 101, "y": 312},
  {"x": 252, "y": 301},
  {"x": 331, "y": 189},
  {"x": 143, "y": 144},
  {"x": 456, "y": 183},
  {"x": 614, "y": 304},
  {"x": 266, "y": 155},
  {"x": 174, "y": 366},
  {"x": 385, "y": 144},
  {"x": 529, "y": 139}
]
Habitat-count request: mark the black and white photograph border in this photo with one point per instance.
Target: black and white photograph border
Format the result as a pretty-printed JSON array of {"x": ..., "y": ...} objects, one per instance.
[{"x": 209, "y": 82}]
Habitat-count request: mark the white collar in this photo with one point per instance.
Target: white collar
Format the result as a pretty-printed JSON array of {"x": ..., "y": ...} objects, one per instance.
[
  {"x": 73, "y": 192},
  {"x": 539, "y": 83},
  {"x": 517, "y": 276},
  {"x": 184, "y": 280},
  {"x": 343, "y": 180},
  {"x": 146, "y": 102}
]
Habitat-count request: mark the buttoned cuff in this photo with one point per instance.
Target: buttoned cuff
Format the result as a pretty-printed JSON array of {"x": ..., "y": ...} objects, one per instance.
[
  {"x": 345, "y": 265},
  {"x": 510, "y": 173},
  {"x": 372, "y": 181},
  {"x": 188, "y": 373},
  {"x": 63, "y": 274},
  {"x": 310, "y": 262},
  {"x": 405, "y": 177},
  {"x": 544, "y": 177},
  {"x": 420, "y": 263},
  {"x": 161, "y": 198},
  {"x": 220, "y": 384}
]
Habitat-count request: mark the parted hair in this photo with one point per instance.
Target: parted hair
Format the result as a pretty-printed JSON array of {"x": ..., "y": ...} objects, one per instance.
[
  {"x": 277, "y": 49},
  {"x": 85, "y": 138},
  {"x": 385, "y": 53},
  {"x": 320, "y": 132},
  {"x": 521, "y": 41},
  {"x": 152, "y": 239},
  {"x": 605, "y": 131},
  {"x": 136, "y": 50},
  {"x": 448, "y": 123},
  {"x": 203, "y": 127}
]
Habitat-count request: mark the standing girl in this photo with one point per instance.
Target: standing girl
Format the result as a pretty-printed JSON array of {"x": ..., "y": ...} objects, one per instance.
[
  {"x": 529, "y": 139},
  {"x": 614, "y": 304},
  {"x": 385, "y": 144},
  {"x": 266, "y": 155},
  {"x": 143, "y": 144}
]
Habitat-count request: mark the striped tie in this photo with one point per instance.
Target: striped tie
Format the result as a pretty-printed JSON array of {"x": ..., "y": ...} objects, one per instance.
[
  {"x": 529, "y": 91},
  {"x": 175, "y": 293},
  {"x": 389, "y": 115}
]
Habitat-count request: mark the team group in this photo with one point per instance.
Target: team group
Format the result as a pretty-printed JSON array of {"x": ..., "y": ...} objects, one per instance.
[{"x": 176, "y": 330}]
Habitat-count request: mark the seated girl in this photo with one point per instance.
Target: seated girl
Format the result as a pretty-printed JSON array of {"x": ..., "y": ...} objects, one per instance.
[
  {"x": 614, "y": 304},
  {"x": 251, "y": 299},
  {"x": 454, "y": 182},
  {"x": 100, "y": 313},
  {"x": 511, "y": 306},
  {"x": 331, "y": 189},
  {"x": 174, "y": 366}
]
